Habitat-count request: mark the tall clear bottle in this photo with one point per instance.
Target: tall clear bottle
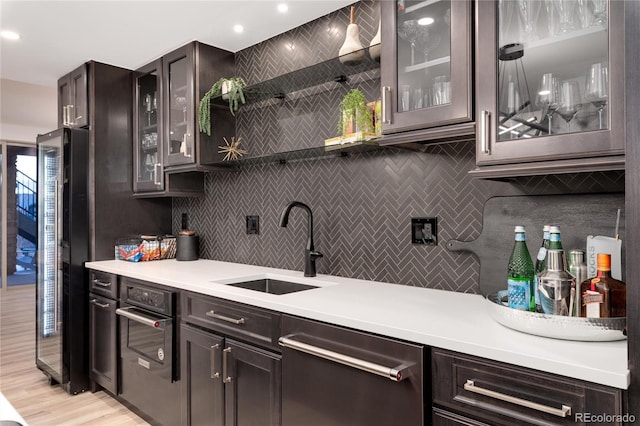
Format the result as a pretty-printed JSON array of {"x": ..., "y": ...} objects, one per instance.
[
  {"x": 541, "y": 262},
  {"x": 520, "y": 274}
]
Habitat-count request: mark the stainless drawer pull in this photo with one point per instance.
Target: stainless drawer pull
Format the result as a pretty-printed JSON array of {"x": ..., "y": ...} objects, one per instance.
[
  {"x": 225, "y": 377},
  {"x": 212, "y": 314},
  {"x": 396, "y": 374},
  {"x": 214, "y": 374},
  {"x": 98, "y": 304},
  {"x": 101, "y": 283},
  {"x": 560, "y": 412},
  {"x": 141, "y": 319},
  {"x": 386, "y": 105}
]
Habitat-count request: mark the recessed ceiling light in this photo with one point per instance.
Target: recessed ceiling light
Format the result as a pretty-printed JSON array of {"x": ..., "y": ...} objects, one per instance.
[
  {"x": 10, "y": 35},
  {"x": 283, "y": 8},
  {"x": 238, "y": 28},
  {"x": 425, "y": 21}
]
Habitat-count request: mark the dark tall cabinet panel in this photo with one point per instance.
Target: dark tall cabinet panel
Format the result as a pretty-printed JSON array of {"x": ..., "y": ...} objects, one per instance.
[{"x": 114, "y": 210}]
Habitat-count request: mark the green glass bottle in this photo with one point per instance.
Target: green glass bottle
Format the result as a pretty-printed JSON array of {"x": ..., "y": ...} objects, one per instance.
[
  {"x": 555, "y": 242},
  {"x": 541, "y": 263},
  {"x": 520, "y": 274}
]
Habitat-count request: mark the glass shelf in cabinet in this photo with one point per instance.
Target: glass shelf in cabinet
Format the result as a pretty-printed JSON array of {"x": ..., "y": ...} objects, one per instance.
[
  {"x": 420, "y": 5},
  {"x": 428, "y": 64}
]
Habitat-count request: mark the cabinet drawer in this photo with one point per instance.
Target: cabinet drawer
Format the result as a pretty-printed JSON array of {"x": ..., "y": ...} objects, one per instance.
[
  {"x": 104, "y": 284},
  {"x": 502, "y": 394},
  {"x": 243, "y": 322}
]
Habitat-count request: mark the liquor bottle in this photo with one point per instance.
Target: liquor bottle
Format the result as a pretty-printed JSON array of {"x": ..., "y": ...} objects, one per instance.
[
  {"x": 541, "y": 262},
  {"x": 604, "y": 296},
  {"x": 520, "y": 274}
]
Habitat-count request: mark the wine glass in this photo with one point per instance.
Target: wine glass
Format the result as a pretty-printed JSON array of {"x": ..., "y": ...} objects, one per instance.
[
  {"x": 409, "y": 31},
  {"x": 548, "y": 96},
  {"x": 584, "y": 13},
  {"x": 429, "y": 39},
  {"x": 600, "y": 12},
  {"x": 570, "y": 101},
  {"x": 552, "y": 17},
  {"x": 597, "y": 88}
]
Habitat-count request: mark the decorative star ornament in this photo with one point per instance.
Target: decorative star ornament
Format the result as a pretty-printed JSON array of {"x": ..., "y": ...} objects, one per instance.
[{"x": 232, "y": 149}]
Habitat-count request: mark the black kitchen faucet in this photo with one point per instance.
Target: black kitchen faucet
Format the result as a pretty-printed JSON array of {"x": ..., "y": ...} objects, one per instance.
[{"x": 310, "y": 255}]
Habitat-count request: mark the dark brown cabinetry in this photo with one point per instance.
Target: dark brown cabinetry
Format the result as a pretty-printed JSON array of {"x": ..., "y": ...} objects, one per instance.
[
  {"x": 73, "y": 105},
  {"x": 472, "y": 391},
  {"x": 426, "y": 70},
  {"x": 170, "y": 152},
  {"x": 550, "y": 96},
  {"x": 103, "y": 331},
  {"x": 225, "y": 381}
]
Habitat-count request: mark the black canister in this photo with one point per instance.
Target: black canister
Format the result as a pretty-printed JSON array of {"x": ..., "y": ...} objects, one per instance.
[{"x": 187, "y": 247}]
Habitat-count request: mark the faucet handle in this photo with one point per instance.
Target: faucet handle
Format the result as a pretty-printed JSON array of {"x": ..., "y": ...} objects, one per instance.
[{"x": 315, "y": 254}]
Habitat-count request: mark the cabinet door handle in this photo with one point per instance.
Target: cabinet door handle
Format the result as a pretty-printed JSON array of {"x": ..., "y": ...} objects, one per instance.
[
  {"x": 485, "y": 132},
  {"x": 212, "y": 314},
  {"x": 98, "y": 304},
  {"x": 214, "y": 373},
  {"x": 157, "y": 174},
  {"x": 560, "y": 412},
  {"x": 71, "y": 117},
  {"x": 101, "y": 283},
  {"x": 397, "y": 373},
  {"x": 65, "y": 115},
  {"x": 386, "y": 101},
  {"x": 225, "y": 377}
]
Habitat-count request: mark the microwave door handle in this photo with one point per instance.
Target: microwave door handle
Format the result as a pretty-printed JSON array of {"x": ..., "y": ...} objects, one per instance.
[{"x": 151, "y": 322}]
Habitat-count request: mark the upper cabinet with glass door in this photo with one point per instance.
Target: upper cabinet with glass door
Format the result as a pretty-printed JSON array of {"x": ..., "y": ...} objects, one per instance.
[
  {"x": 426, "y": 62},
  {"x": 550, "y": 83},
  {"x": 148, "y": 146}
]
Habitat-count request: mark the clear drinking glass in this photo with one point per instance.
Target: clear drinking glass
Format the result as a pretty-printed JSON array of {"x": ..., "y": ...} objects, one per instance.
[
  {"x": 584, "y": 13},
  {"x": 566, "y": 10},
  {"x": 548, "y": 97},
  {"x": 597, "y": 88},
  {"x": 570, "y": 101},
  {"x": 600, "y": 12},
  {"x": 552, "y": 17},
  {"x": 529, "y": 10}
]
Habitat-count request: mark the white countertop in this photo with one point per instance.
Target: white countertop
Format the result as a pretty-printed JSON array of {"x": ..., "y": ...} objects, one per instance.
[
  {"x": 8, "y": 413},
  {"x": 437, "y": 318}
]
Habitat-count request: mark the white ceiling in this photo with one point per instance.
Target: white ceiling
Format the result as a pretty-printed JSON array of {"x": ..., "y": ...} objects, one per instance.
[{"x": 58, "y": 36}]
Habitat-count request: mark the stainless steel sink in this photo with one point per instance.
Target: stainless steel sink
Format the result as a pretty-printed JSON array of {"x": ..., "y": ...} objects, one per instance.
[{"x": 271, "y": 286}]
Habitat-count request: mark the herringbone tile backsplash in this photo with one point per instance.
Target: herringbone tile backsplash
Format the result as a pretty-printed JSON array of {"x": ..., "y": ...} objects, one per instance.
[{"x": 362, "y": 204}]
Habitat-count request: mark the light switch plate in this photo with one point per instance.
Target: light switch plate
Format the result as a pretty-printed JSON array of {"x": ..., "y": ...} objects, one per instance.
[{"x": 253, "y": 224}]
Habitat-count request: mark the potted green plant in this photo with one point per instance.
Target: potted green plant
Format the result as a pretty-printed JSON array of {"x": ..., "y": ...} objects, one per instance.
[
  {"x": 231, "y": 89},
  {"x": 353, "y": 109}
]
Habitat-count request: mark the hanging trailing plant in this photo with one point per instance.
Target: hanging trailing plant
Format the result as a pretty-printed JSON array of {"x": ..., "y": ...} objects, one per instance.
[
  {"x": 233, "y": 87},
  {"x": 353, "y": 108}
]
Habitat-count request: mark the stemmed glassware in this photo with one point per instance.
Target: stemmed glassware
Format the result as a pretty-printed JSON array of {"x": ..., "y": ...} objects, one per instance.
[
  {"x": 570, "y": 101},
  {"x": 409, "y": 31},
  {"x": 600, "y": 12},
  {"x": 429, "y": 39},
  {"x": 548, "y": 97},
  {"x": 597, "y": 88}
]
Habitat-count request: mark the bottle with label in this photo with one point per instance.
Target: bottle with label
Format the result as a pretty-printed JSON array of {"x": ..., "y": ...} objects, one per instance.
[
  {"x": 604, "y": 296},
  {"x": 520, "y": 274},
  {"x": 577, "y": 268},
  {"x": 541, "y": 262}
]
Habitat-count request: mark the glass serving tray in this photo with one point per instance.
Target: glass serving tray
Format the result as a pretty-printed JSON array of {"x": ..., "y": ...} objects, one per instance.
[{"x": 556, "y": 326}]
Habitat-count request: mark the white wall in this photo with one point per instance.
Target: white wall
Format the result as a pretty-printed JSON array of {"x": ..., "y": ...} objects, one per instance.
[{"x": 26, "y": 110}]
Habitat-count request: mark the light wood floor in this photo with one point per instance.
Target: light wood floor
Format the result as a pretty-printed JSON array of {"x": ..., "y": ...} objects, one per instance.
[{"x": 28, "y": 389}]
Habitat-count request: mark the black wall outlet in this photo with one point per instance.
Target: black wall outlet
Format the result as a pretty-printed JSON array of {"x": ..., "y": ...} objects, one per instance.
[
  {"x": 253, "y": 224},
  {"x": 424, "y": 230}
]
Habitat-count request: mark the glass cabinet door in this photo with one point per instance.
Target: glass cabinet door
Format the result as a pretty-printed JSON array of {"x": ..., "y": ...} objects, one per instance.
[
  {"x": 179, "y": 109},
  {"x": 149, "y": 173},
  {"x": 426, "y": 64},
  {"x": 550, "y": 79}
]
